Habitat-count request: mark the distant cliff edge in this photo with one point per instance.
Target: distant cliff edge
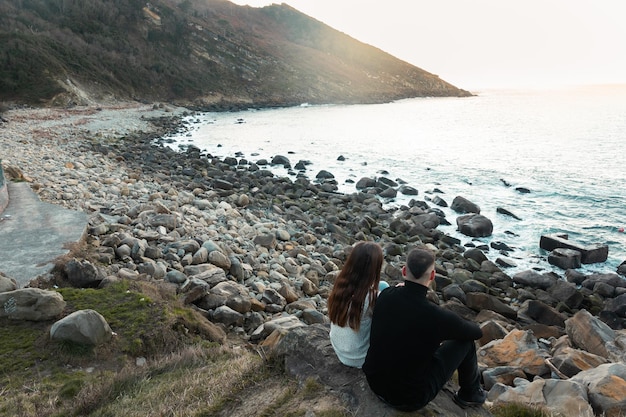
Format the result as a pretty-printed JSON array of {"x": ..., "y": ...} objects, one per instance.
[{"x": 202, "y": 53}]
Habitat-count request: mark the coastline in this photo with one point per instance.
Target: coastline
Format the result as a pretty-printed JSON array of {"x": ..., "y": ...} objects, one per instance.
[
  {"x": 152, "y": 211},
  {"x": 54, "y": 154},
  {"x": 42, "y": 141},
  {"x": 544, "y": 196}
]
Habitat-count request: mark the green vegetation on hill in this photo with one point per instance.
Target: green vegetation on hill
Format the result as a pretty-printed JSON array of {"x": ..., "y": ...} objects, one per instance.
[{"x": 206, "y": 52}]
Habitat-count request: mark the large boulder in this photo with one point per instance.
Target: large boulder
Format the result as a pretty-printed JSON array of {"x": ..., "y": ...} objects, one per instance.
[
  {"x": 570, "y": 361},
  {"x": 589, "y": 254},
  {"x": 7, "y": 283},
  {"x": 427, "y": 220},
  {"x": 463, "y": 205},
  {"x": 567, "y": 293},
  {"x": 365, "y": 182},
  {"x": 453, "y": 291},
  {"x": 407, "y": 190},
  {"x": 534, "y": 279},
  {"x": 501, "y": 374},
  {"x": 192, "y": 290},
  {"x": 589, "y": 333},
  {"x": 474, "y": 225},
  {"x": 229, "y": 289},
  {"x": 617, "y": 305},
  {"x": 280, "y": 325},
  {"x": 307, "y": 353},
  {"x": 281, "y": 160},
  {"x": 388, "y": 193},
  {"x": 479, "y": 301},
  {"x": 542, "y": 313},
  {"x": 611, "y": 279},
  {"x": 82, "y": 274},
  {"x": 492, "y": 330},
  {"x": 565, "y": 258},
  {"x": 274, "y": 300},
  {"x": 267, "y": 240},
  {"x": 86, "y": 327},
  {"x": 565, "y": 398},
  {"x": 31, "y": 304},
  {"x": 439, "y": 201},
  {"x": 475, "y": 254},
  {"x": 227, "y": 316},
  {"x": 175, "y": 276},
  {"x": 606, "y": 387},
  {"x": 518, "y": 349},
  {"x": 209, "y": 273},
  {"x": 217, "y": 258},
  {"x": 169, "y": 221}
]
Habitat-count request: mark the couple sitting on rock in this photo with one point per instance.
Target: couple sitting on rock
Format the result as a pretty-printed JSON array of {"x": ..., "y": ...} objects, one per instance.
[{"x": 407, "y": 346}]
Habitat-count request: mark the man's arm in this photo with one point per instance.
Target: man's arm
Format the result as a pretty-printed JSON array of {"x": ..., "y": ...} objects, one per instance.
[{"x": 454, "y": 327}]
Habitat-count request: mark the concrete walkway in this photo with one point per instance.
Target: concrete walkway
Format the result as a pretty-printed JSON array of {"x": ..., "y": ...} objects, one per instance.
[{"x": 34, "y": 233}]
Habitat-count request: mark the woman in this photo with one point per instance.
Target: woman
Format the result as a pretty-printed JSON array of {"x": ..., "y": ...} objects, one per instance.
[{"x": 351, "y": 303}]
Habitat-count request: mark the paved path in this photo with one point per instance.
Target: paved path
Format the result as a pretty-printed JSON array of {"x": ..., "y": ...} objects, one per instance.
[{"x": 34, "y": 233}]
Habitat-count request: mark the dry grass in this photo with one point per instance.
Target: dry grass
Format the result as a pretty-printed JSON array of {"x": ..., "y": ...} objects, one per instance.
[
  {"x": 179, "y": 385},
  {"x": 521, "y": 410},
  {"x": 190, "y": 370},
  {"x": 200, "y": 381}
]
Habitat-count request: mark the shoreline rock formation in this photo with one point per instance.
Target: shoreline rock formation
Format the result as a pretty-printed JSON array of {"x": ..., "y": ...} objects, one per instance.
[{"x": 258, "y": 255}]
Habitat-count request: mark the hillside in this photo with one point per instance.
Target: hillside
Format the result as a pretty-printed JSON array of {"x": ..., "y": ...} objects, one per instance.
[{"x": 207, "y": 53}]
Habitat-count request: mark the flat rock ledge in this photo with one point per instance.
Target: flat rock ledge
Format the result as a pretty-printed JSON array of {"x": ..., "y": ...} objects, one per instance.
[{"x": 307, "y": 353}]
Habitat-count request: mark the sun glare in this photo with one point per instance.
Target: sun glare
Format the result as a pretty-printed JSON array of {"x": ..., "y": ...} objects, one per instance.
[{"x": 536, "y": 44}]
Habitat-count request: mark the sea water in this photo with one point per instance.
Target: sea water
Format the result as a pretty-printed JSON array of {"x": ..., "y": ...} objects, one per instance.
[{"x": 567, "y": 147}]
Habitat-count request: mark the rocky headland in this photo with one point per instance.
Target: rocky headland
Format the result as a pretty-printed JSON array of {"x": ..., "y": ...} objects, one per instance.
[
  {"x": 257, "y": 256},
  {"x": 209, "y": 54}
]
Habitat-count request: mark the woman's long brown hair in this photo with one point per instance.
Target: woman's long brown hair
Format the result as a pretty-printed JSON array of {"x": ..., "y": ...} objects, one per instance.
[{"x": 359, "y": 277}]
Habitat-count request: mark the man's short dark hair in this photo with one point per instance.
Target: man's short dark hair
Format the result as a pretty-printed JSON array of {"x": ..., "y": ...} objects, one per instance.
[{"x": 418, "y": 261}]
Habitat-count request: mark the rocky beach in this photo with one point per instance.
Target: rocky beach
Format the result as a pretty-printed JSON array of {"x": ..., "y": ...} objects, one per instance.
[{"x": 257, "y": 256}]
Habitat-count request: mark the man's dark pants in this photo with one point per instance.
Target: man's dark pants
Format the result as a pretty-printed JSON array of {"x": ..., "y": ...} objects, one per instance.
[{"x": 451, "y": 355}]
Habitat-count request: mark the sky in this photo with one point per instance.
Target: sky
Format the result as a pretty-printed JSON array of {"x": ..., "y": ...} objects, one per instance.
[{"x": 476, "y": 44}]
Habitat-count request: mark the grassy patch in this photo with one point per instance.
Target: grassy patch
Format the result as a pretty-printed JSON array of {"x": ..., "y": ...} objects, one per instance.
[
  {"x": 136, "y": 318},
  {"x": 521, "y": 410},
  {"x": 196, "y": 378},
  {"x": 71, "y": 388},
  {"x": 184, "y": 375},
  {"x": 311, "y": 388},
  {"x": 19, "y": 342},
  {"x": 39, "y": 377},
  {"x": 280, "y": 402}
]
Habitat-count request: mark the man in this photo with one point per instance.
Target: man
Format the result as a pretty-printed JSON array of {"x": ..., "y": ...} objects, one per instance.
[{"x": 415, "y": 345}]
